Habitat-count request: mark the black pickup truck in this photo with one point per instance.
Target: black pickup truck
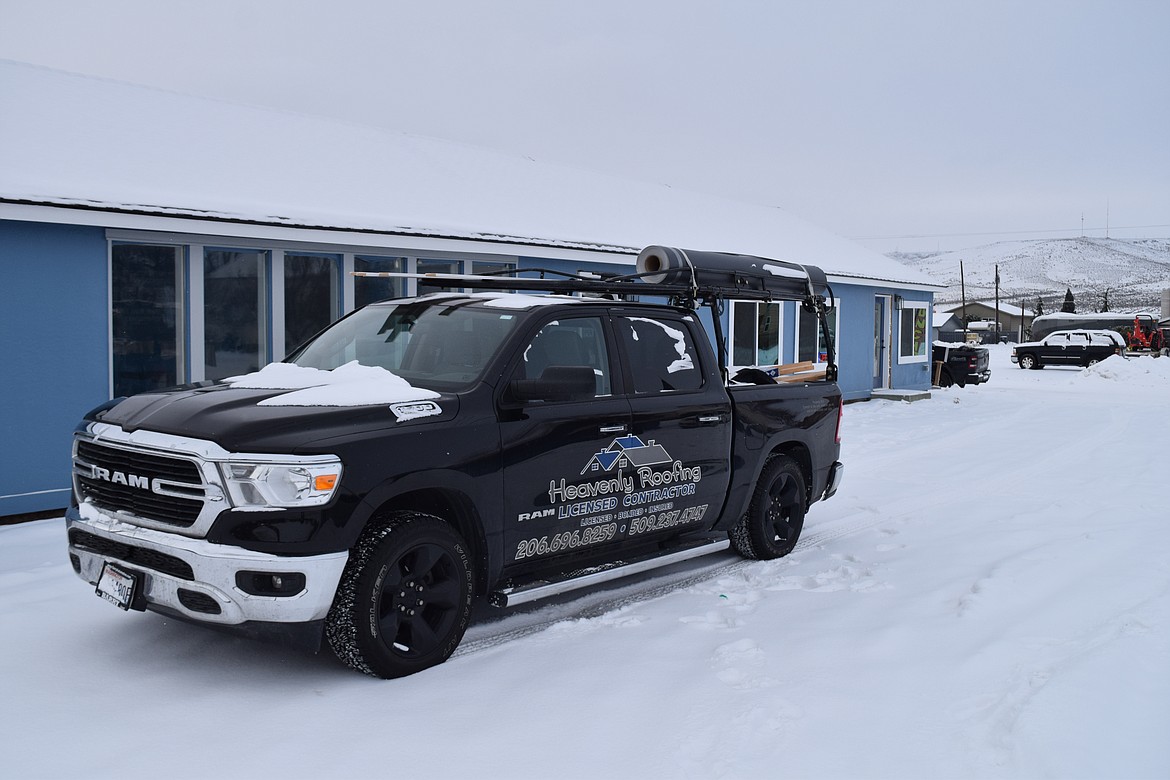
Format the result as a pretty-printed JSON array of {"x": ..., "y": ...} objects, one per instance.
[
  {"x": 961, "y": 364},
  {"x": 421, "y": 453}
]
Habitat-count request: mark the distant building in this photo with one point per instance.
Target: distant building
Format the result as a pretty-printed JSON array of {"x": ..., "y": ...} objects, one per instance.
[
  {"x": 1014, "y": 322},
  {"x": 150, "y": 239}
]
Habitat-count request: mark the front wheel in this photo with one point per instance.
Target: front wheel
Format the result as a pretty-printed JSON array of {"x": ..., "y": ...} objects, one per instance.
[
  {"x": 1028, "y": 361},
  {"x": 404, "y": 600},
  {"x": 775, "y": 516}
]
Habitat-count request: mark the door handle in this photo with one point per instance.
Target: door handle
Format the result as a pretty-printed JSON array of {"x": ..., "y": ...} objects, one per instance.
[
  {"x": 612, "y": 429},
  {"x": 710, "y": 418}
]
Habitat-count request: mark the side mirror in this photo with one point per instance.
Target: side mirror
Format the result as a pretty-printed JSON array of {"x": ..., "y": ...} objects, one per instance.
[{"x": 557, "y": 383}]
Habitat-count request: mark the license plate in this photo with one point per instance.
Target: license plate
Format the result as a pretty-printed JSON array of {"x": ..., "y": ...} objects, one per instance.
[{"x": 117, "y": 586}]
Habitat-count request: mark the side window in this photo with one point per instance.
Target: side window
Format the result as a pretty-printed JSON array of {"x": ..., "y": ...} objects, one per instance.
[
  {"x": 661, "y": 354},
  {"x": 573, "y": 342}
]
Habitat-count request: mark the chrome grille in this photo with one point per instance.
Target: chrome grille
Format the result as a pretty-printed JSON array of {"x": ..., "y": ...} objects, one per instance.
[{"x": 165, "y": 489}]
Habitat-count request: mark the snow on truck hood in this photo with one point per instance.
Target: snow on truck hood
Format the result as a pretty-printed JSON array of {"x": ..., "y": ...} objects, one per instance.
[{"x": 351, "y": 384}]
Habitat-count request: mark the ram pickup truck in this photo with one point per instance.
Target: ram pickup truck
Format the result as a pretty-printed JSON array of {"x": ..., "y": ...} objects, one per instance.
[
  {"x": 960, "y": 364},
  {"x": 422, "y": 453}
]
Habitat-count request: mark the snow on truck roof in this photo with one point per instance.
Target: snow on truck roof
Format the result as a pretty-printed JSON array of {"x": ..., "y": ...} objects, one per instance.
[{"x": 76, "y": 141}]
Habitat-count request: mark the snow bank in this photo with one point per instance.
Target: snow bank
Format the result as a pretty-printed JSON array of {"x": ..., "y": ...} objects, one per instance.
[
  {"x": 349, "y": 385},
  {"x": 1143, "y": 369}
]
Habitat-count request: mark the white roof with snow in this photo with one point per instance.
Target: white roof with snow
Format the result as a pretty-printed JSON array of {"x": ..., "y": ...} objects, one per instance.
[
  {"x": 79, "y": 141},
  {"x": 1004, "y": 307}
]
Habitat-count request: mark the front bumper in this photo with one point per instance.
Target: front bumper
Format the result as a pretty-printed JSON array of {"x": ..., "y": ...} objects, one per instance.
[{"x": 196, "y": 579}]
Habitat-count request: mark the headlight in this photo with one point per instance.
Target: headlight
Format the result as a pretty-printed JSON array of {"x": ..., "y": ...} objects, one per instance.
[{"x": 283, "y": 485}]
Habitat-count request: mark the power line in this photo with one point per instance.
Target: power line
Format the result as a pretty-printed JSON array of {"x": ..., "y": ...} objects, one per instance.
[{"x": 1003, "y": 232}]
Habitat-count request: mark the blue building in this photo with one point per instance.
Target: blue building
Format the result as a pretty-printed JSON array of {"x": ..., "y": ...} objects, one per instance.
[{"x": 141, "y": 248}]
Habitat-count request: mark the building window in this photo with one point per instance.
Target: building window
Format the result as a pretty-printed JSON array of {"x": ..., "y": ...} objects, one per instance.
[
  {"x": 427, "y": 266},
  {"x": 912, "y": 333},
  {"x": 146, "y": 284},
  {"x": 311, "y": 296},
  {"x": 755, "y": 333},
  {"x": 235, "y": 312},
  {"x": 368, "y": 289},
  {"x": 810, "y": 341},
  {"x": 495, "y": 268}
]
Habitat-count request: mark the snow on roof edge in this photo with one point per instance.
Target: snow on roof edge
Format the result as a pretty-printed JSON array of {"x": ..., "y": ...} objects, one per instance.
[{"x": 149, "y": 211}]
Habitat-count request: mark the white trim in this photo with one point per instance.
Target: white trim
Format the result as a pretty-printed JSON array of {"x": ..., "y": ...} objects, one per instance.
[
  {"x": 348, "y": 296},
  {"x": 859, "y": 281},
  {"x": 923, "y": 358},
  {"x": 375, "y": 242},
  {"x": 276, "y": 296},
  {"x": 363, "y": 239},
  {"x": 197, "y": 352}
]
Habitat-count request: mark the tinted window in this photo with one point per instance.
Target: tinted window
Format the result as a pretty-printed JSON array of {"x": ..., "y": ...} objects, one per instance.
[
  {"x": 439, "y": 344},
  {"x": 661, "y": 353},
  {"x": 574, "y": 342}
]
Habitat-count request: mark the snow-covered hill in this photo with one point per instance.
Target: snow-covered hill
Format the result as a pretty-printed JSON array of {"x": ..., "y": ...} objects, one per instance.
[{"x": 1133, "y": 271}]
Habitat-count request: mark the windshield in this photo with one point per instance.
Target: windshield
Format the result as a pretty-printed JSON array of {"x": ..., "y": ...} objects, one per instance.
[{"x": 441, "y": 344}]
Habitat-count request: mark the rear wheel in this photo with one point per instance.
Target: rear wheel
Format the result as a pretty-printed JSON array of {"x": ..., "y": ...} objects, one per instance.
[
  {"x": 775, "y": 517},
  {"x": 404, "y": 600},
  {"x": 945, "y": 379}
]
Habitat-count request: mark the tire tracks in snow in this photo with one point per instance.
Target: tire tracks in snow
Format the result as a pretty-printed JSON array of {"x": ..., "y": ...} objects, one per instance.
[{"x": 489, "y": 632}]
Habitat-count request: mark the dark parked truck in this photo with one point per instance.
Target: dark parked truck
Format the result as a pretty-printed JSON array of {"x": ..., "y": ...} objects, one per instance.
[
  {"x": 960, "y": 364},
  {"x": 423, "y": 453}
]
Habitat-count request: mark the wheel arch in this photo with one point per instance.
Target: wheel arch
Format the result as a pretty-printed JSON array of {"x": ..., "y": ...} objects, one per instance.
[
  {"x": 453, "y": 507},
  {"x": 798, "y": 452}
]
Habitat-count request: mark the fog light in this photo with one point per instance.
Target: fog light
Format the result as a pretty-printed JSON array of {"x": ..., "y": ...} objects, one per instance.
[{"x": 266, "y": 583}]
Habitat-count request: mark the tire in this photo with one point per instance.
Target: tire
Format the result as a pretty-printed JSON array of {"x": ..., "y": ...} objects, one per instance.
[
  {"x": 1028, "y": 360},
  {"x": 404, "y": 601},
  {"x": 945, "y": 379},
  {"x": 775, "y": 517}
]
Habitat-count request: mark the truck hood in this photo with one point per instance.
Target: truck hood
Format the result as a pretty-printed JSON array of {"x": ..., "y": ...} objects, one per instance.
[{"x": 235, "y": 419}]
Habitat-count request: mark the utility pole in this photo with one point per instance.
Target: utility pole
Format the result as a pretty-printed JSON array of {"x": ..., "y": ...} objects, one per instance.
[
  {"x": 997, "y": 303},
  {"x": 963, "y": 287}
]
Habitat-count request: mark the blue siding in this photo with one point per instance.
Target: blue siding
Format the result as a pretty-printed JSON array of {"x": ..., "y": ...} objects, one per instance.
[
  {"x": 54, "y": 327},
  {"x": 856, "y": 342}
]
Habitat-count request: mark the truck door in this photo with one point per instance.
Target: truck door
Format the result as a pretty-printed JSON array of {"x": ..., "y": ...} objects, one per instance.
[
  {"x": 556, "y": 498},
  {"x": 678, "y": 448}
]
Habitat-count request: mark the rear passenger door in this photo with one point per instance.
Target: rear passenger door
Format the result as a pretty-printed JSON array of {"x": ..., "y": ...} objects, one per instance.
[{"x": 678, "y": 447}]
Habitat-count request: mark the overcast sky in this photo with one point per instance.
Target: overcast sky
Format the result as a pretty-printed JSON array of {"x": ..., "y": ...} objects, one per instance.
[{"x": 911, "y": 125}]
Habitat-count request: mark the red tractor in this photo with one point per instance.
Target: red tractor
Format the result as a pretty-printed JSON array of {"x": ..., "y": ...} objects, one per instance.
[{"x": 1146, "y": 336}]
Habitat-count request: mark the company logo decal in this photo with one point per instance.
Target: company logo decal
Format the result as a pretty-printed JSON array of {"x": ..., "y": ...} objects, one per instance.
[
  {"x": 634, "y": 490},
  {"x": 626, "y": 452}
]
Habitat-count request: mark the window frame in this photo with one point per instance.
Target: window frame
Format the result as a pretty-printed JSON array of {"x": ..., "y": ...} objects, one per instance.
[
  {"x": 912, "y": 306},
  {"x": 755, "y": 333},
  {"x": 834, "y": 318}
]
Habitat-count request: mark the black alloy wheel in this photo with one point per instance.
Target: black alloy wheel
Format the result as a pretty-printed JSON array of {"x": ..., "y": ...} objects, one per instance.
[
  {"x": 404, "y": 601},
  {"x": 775, "y": 517}
]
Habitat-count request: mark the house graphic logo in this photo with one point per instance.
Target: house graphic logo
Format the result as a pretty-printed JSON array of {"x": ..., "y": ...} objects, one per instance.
[{"x": 626, "y": 452}]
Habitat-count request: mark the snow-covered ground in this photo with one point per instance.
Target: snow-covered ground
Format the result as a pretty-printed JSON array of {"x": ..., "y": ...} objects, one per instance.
[{"x": 988, "y": 596}]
